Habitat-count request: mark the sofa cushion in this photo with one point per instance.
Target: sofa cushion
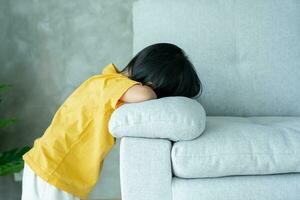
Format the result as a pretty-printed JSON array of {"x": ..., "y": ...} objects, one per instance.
[
  {"x": 174, "y": 118},
  {"x": 267, "y": 187},
  {"x": 246, "y": 52},
  {"x": 240, "y": 146}
]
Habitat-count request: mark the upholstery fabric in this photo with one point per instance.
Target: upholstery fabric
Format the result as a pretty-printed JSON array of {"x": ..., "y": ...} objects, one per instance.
[
  {"x": 247, "y": 53},
  {"x": 265, "y": 187},
  {"x": 240, "y": 146},
  {"x": 145, "y": 169},
  {"x": 173, "y": 118}
]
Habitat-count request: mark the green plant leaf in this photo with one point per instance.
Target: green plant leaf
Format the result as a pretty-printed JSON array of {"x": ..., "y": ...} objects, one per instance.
[
  {"x": 4, "y": 87},
  {"x": 11, "y": 161},
  {"x": 11, "y": 167},
  {"x": 7, "y": 122}
]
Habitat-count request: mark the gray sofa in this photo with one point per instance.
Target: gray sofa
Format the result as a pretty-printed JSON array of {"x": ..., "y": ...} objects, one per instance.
[{"x": 240, "y": 140}]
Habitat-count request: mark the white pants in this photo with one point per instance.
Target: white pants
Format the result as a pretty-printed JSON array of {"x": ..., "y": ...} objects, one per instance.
[{"x": 35, "y": 188}]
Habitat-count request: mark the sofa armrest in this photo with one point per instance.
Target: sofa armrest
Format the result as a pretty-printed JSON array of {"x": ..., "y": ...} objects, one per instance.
[
  {"x": 174, "y": 118},
  {"x": 145, "y": 169}
]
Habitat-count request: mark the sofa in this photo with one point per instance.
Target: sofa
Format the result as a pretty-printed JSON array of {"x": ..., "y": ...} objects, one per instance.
[{"x": 239, "y": 140}]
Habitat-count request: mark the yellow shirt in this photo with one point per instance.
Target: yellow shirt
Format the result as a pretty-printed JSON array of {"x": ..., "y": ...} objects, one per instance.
[{"x": 70, "y": 153}]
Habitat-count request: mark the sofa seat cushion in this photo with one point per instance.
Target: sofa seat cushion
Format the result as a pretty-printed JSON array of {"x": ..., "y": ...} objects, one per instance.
[
  {"x": 266, "y": 187},
  {"x": 240, "y": 146}
]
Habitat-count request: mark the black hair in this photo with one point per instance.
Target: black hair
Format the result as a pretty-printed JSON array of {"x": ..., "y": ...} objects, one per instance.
[{"x": 166, "y": 69}]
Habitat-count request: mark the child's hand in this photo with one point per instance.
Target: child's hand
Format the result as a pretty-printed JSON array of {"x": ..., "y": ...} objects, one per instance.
[{"x": 138, "y": 93}]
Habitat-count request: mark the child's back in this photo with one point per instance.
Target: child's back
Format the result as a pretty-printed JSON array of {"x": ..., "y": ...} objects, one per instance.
[{"x": 70, "y": 154}]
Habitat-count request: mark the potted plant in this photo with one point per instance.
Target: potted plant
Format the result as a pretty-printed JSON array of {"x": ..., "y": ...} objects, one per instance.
[{"x": 11, "y": 160}]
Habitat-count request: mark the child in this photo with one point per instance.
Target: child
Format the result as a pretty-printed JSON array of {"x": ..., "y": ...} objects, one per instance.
[{"x": 65, "y": 163}]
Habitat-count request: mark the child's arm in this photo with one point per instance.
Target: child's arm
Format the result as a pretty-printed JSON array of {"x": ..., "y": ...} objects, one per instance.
[{"x": 138, "y": 93}]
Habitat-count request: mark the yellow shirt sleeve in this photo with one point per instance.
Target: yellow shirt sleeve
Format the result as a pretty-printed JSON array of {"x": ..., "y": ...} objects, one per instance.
[{"x": 116, "y": 87}]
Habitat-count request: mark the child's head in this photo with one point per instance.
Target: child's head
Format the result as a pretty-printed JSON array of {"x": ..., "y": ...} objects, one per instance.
[{"x": 166, "y": 68}]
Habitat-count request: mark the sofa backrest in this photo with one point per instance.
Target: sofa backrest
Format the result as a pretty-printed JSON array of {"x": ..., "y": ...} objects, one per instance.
[{"x": 246, "y": 52}]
